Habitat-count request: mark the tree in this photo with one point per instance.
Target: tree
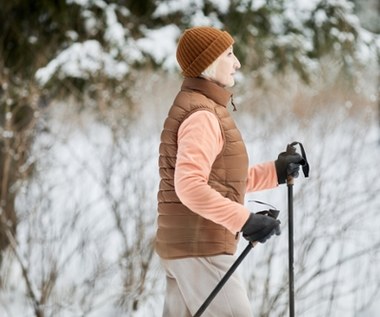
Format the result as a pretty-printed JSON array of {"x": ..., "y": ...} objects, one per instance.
[{"x": 25, "y": 46}]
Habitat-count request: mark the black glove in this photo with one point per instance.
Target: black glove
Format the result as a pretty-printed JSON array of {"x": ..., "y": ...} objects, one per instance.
[
  {"x": 288, "y": 164},
  {"x": 260, "y": 227}
]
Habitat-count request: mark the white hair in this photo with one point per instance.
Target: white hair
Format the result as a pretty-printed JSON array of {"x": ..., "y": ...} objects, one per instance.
[{"x": 210, "y": 71}]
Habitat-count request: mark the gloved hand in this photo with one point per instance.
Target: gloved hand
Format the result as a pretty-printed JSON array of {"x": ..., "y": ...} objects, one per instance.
[
  {"x": 260, "y": 227},
  {"x": 288, "y": 164}
]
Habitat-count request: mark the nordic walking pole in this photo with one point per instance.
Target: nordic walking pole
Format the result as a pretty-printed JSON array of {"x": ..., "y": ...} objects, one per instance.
[
  {"x": 224, "y": 279},
  {"x": 290, "y": 183}
]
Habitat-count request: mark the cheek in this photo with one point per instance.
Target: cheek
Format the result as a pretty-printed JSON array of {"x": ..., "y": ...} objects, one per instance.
[
  {"x": 224, "y": 78},
  {"x": 224, "y": 70}
]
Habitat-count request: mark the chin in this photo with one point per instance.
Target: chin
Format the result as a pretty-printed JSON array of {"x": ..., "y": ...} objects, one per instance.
[{"x": 230, "y": 84}]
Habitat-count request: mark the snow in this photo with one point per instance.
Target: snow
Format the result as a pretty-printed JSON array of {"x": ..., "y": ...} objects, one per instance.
[
  {"x": 297, "y": 12},
  {"x": 320, "y": 17},
  {"x": 221, "y": 5},
  {"x": 161, "y": 45},
  {"x": 194, "y": 9},
  {"x": 165, "y": 8},
  {"x": 80, "y": 2},
  {"x": 258, "y": 4},
  {"x": 82, "y": 60},
  {"x": 199, "y": 18},
  {"x": 115, "y": 32},
  {"x": 306, "y": 5},
  {"x": 90, "y": 23}
]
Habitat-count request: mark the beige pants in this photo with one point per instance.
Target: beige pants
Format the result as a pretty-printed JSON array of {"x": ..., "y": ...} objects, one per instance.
[{"x": 191, "y": 280}]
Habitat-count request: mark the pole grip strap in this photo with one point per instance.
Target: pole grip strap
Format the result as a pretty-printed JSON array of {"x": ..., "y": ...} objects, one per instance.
[{"x": 304, "y": 163}]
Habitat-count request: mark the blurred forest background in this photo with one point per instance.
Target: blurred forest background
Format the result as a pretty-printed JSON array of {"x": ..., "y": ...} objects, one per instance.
[{"x": 84, "y": 88}]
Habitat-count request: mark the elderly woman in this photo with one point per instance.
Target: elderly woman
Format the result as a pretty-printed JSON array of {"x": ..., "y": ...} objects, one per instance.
[{"x": 204, "y": 176}]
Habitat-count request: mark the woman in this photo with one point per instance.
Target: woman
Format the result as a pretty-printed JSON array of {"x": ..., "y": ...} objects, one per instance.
[{"x": 204, "y": 176}]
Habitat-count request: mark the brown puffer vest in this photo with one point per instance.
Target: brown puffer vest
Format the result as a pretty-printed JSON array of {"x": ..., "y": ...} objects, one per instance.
[{"x": 181, "y": 232}]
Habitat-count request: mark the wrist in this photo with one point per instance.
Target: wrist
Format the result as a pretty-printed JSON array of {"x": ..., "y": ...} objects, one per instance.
[{"x": 246, "y": 224}]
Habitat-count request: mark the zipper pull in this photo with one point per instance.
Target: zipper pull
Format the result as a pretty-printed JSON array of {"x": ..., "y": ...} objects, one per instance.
[{"x": 232, "y": 103}]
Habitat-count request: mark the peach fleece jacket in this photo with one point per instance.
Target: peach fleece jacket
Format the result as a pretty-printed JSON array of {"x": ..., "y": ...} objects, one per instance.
[{"x": 199, "y": 142}]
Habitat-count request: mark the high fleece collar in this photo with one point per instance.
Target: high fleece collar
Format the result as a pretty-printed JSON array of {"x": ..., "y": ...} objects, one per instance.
[{"x": 208, "y": 88}]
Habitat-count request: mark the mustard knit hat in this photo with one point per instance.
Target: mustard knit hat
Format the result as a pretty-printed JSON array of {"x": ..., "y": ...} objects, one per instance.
[{"x": 199, "y": 46}]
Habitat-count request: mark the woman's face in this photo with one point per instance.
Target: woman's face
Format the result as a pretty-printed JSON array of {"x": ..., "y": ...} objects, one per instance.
[{"x": 226, "y": 68}]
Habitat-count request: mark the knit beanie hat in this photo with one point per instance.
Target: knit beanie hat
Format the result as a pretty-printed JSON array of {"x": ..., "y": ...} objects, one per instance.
[{"x": 199, "y": 47}]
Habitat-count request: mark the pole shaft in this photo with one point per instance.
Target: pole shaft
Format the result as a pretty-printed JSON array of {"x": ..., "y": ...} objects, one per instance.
[
  {"x": 291, "y": 249},
  {"x": 224, "y": 280}
]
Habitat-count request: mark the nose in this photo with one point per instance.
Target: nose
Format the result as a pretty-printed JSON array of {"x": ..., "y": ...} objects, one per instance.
[{"x": 237, "y": 63}]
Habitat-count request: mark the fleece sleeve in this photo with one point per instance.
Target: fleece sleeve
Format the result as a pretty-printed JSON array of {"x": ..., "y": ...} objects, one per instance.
[
  {"x": 262, "y": 176},
  {"x": 199, "y": 142}
]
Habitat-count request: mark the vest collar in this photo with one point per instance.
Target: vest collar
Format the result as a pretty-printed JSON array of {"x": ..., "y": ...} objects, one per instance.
[{"x": 208, "y": 88}]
